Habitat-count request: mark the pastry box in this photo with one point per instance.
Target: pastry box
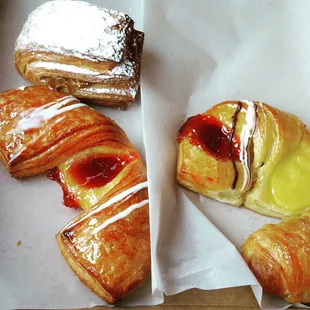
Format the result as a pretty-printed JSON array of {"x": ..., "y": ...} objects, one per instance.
[{"x": 195, "y": 54}]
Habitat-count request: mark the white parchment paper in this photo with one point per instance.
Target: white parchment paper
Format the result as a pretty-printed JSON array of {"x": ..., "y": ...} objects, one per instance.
[
  {"x": 34, "y": 274},
  {"x": 199, "y": 53}
]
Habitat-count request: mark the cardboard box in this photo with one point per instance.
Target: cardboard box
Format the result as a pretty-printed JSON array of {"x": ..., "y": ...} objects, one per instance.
[{"x": 240, "y": 298}]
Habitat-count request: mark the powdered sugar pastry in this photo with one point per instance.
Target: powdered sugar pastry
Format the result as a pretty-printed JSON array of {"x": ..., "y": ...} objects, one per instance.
[{"x": 78, "y": 29}]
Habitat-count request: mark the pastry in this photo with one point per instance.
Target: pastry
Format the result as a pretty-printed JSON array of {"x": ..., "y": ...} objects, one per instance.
[
  {"x": 108, "y": 245},
  {"x": 41, "y": 128},
  {"x": 97, "y": 60},
  {"x": 246, "y": 152},
  {"x": 89, "y": 175},
  {"x": 279, "y": 257}
]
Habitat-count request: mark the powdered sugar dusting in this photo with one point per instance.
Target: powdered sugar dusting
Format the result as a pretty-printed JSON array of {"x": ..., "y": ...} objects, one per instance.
[
  {"x": 126, "y": 68},
  {"x": 78, "y": 29}
]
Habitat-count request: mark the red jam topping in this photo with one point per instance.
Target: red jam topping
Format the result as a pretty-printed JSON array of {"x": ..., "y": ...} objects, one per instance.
[
  {"x": 70, "y": 200},
  {"x": 97, "y": 171},
  {"x": 209, "y": 134},
  {"x": 90, "y": 172}
]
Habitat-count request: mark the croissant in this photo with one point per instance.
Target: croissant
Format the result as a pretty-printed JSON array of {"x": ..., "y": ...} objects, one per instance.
[
  {"x": 279, "y": 257},
  {"x": 246, "y": 152},
  {"x": 107, "y": 245},
  {"x": 97, "y": 60}
]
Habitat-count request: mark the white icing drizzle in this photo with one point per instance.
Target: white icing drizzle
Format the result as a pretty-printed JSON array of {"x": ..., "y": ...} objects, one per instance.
[
  {"x": 34, "y": 118},
  {"x": 120, "y": 216},
  {"x": 119, "y": 197},
  {"x": 93, "y": 221},
  {"x": 16, "y": 155},
  {"x": 78, "y": 29},
  {"x": 247, "y": 133}
]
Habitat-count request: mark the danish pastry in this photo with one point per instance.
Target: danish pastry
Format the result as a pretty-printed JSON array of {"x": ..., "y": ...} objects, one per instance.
[
  {"x": 83, "y": 50},
  {"x": 108, "y": 245},
  {"x": 279, "y": 256},
  {"x": 246, "y": 152}
]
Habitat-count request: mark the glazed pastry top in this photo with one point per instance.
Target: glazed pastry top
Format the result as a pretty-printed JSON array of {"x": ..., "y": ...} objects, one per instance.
[
  {"x": 246, "y": 152},
  {"x": 111, "y": 240},
  {"x": 219, "y": 133},
  {"x": 89, "y": 175},
  {"x": 279, "y": 256},
  {"x": 40, "y": 128}
]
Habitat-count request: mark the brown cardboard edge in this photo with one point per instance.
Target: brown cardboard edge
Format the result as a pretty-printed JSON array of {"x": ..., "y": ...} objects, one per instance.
[{"x": 240, "y": 298}]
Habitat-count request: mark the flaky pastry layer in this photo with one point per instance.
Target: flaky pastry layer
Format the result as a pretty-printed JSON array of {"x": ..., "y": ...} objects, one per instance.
[
  {"x": 279, "y": 256},
  {"x": 111, "y": 82},
  {"x": 40, "y": 128},
  {"x": 108, "y": 245},
  {"x": 262, "y": 140}
]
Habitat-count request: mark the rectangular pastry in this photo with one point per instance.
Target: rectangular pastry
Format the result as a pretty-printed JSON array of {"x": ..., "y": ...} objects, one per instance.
[
  {"x": 108, "y": 245},
  {"x": 97, "y": 60}
]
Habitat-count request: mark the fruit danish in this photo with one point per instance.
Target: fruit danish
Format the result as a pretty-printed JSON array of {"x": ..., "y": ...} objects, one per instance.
[
  {"x": 83, "y": 50},
  {"x": 108, "y": 245},
  {"x": 246, "y": 152},
  {"x": 279, "y": 257}
]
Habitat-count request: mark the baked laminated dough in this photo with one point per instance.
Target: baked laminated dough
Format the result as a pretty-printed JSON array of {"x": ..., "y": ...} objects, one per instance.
[
  {"x": 41, "y": 128},
  {"x": 108, "y": 244},
  {"x": 83, "y": 50},
  {"x": 279, "y": 257},
  {"x": 247, "y": 153}
]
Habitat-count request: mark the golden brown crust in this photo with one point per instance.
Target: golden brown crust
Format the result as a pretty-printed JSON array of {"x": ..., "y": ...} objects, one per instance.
[
  {"x": 107, "y": 246},
  {"x": 81, "y": 273},
  {"x": 102, "y": 83},
  {"x": 116, "y": 259},
  {"x": 276, "y": 134},
  {"x": 36, "y": 150},
  {"x": 279, "y": 257}
]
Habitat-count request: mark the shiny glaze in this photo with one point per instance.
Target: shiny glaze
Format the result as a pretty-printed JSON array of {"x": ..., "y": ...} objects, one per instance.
[
  {"x": 112, "y": 241},
  {"x": 69, "y": 199},
  {"x": 209, "y": 134},
  {"x": 35, "y": 117},
  {"x": 90, "y": 172},
  {"x": 119, "y": 216},
  {"x": 97, "y": 170},
  {"x": 26, "y": 112},
  {"x": 279, "y": 257},
  {"x": 123, "y": 196}
]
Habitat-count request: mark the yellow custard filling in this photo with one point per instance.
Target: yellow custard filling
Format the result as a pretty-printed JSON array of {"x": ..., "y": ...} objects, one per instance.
[
  {"x": 290, "y": 181},
  {"x": 93, "y": 176}
]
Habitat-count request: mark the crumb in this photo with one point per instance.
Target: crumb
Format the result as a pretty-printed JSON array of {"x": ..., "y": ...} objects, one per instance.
[{"x": 18, "y": 243}]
